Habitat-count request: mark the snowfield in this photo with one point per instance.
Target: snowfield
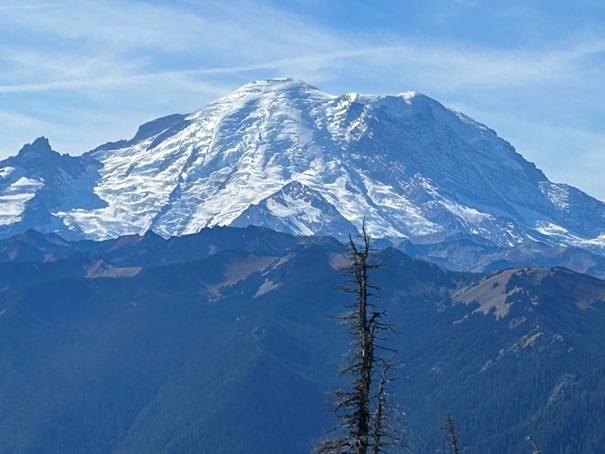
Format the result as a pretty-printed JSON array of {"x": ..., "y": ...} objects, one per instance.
[{"x": 286, "y": 155}]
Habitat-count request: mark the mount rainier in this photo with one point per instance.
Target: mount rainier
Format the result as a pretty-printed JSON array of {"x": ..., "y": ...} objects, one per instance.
[{"x": 285, "y": 155}]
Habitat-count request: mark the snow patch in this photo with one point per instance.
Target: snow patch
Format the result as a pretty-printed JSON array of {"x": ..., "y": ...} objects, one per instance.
[
  {"x": 6, "y": 172},
  {"x": 557, "y": 194},
  {"x": 13, "y": 199},
  {"x": 266, "y": 287}
]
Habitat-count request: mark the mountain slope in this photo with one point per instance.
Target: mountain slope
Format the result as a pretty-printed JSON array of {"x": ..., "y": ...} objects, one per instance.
[
  {"x": 234, "y": 350},
  {"x": 38, "y": 183},
  {"x": 286, "y": 155}
]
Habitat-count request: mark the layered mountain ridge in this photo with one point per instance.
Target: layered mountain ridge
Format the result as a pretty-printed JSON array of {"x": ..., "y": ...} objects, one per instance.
[
  {"x": 225, "y": 341},
  {"x": 283, "y": 154}
]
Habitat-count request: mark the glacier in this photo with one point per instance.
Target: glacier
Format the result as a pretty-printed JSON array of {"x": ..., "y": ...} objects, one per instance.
[{"x": 283, "y": 154}]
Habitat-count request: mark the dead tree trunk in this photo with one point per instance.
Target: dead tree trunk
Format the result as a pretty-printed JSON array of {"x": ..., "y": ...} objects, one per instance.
[{"x": 363, "y": 409}]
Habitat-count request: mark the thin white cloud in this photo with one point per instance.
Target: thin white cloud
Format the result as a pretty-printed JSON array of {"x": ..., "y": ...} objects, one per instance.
[
  {"x": 130, "y": 60},
  {"x": 443, "y": 66},
  {"x": 100, "y": 43},
  {"x": 242, "y": 30},
  {"x": 118, "y": 43},
  {"x": 28, "y": 6}
]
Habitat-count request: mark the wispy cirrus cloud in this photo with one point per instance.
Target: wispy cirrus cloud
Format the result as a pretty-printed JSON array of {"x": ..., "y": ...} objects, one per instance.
[
  {"x": 27, "y": 6},
  {"x": 117, "y": 42},
  {"x": 130, "y": 61},
  {"x": 442, "y": 65}
]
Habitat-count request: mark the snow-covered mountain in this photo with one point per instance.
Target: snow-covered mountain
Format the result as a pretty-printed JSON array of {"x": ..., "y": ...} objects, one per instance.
[{"x": 284, "y": 154}]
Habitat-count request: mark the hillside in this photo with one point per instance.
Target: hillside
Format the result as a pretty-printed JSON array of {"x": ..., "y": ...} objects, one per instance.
[{"x": 222, "y": 342}]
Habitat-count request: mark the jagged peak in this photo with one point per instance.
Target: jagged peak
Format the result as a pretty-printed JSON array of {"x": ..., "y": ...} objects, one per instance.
[
  {"x": 33, "y": 153},
  {"x": 39, "y": 147},
  {"x": 41, "y": 161}
]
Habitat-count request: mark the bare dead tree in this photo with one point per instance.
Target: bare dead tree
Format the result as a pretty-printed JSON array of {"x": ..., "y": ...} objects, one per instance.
[
  {"x": 453, "y": 438},
  {"x": 364, "y": 410}
]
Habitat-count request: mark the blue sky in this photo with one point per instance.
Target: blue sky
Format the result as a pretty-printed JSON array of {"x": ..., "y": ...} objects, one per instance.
[{"x": 86, "y": 72}]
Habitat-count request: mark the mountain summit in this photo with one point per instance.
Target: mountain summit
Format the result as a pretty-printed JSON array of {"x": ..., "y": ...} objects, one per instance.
[{"x": 283, "y": 154}]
